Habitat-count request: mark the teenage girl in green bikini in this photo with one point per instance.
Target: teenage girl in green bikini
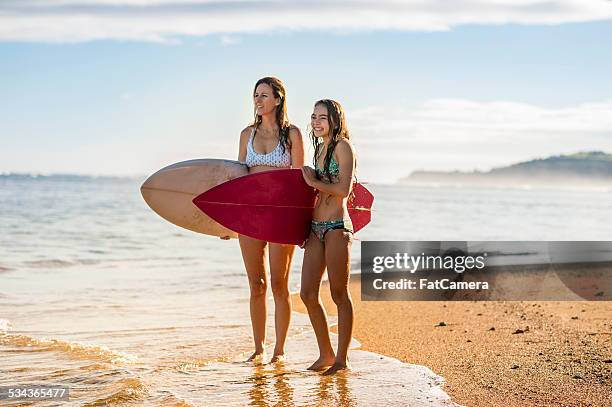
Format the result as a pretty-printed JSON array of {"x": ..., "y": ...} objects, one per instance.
[{"x": 331, "y": 232}]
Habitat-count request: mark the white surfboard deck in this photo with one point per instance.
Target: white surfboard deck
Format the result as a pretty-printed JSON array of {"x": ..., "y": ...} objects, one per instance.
[{"x": 170, "y": 191}]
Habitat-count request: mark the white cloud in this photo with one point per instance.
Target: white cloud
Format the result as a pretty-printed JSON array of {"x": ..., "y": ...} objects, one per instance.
[
  {"x": 465, "y": 121},
  {"x": 164, "y": 20}
]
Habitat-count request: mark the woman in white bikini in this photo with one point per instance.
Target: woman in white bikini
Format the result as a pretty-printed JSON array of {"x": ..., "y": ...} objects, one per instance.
[{"x": 271, "y": 142}]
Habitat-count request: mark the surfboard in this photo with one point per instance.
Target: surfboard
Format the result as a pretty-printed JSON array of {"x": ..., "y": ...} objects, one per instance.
[
  {"x": 275, "y": 206},
  {"x": 171, "y": 190}
]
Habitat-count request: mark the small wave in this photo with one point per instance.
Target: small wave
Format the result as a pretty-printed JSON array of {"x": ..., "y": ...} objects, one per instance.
[
  {"x": 175, "y": 401},
  {"x": 51, "y": 263},
  {"x": 5, "y": 269},
  {"x": 190, "y": 365},
  {"x": 130, "y": 390},
  {"x": 197, "y": 364},
  {"x": 74, "y": 349}
]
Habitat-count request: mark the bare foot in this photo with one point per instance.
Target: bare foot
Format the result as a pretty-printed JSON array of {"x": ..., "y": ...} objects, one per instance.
[
  {"x": 256, "y": 357},
  {"x": 277, "y": 358},
  {"x": 322, "y": 362},
  {"x": 336, "y": 367}
]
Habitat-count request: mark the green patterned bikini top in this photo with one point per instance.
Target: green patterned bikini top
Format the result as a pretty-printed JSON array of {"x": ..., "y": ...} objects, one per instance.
[{"x": 334, "y": 170}]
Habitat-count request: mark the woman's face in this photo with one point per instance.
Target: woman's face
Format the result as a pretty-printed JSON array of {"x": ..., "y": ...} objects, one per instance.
[
  {"x": 264, "y": 99},
  {"x": 319, "y": 121}
]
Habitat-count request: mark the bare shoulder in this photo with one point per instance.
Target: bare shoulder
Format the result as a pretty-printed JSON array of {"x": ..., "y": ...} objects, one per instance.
[
  {"x": 294, "y": 132},
  {"x": 295, "y": 136},
  {"x": 344, "y": 146},
  {"x": 246, "y": 132}
]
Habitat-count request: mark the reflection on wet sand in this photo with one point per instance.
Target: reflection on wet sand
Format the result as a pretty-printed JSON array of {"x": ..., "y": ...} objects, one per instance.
[
  {"x": 335, "y": 389},
  {"x": 282, "y": 386},
  {"x": 271, "y": 385}
]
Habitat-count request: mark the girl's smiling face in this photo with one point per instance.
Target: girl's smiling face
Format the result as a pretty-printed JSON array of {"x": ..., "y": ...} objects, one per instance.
[
  {"x": 319, "y": 121},
  {"x": 264, "y": 99}
]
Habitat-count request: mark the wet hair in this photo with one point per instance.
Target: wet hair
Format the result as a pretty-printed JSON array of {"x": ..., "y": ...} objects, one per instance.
[
  {"x": 278, "y": 88},
  {"x": 337, "y": 131}
]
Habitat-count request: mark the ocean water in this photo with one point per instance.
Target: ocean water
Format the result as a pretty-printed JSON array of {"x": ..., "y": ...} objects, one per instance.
[{"x": 99, "y": 293}]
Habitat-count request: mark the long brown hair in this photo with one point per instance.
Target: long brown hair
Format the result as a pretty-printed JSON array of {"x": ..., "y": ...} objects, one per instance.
[
  {"x": 337, "y": 131},
  {"x": 282, "y": 120}
]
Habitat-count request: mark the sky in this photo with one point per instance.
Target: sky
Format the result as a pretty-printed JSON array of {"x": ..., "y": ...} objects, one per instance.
[{"x": 125, "y": 87}]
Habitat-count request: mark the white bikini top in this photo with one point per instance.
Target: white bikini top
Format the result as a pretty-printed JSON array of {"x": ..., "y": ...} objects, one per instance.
[{"x": 275, "y": 158}]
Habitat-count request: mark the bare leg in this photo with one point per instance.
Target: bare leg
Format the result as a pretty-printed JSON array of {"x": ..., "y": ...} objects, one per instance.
[
  {"x": 337, "y": 258},
  {"x": 280, "y": 266},
  {"x": 312, "y": 272},
  {"x": 253, "y": 255}
]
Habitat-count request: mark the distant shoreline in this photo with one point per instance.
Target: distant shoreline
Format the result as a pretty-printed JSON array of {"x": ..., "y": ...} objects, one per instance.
[
  {"x": 67, "y": 177},
  {"x": 525, "y": 183},
  {"x": 592, "y": 168}
]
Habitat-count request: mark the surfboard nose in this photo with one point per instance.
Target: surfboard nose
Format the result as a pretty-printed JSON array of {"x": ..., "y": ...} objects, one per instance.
[
  {"x": 169, "y": 192},
  {"x": 145, "y": 185}
]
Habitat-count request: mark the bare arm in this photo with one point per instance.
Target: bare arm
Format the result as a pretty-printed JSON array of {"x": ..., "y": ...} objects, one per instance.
[
  {"x": 242, "y": 146},
  {"x": 346, "y": 161},
  {"x": 297, "y": 147}
]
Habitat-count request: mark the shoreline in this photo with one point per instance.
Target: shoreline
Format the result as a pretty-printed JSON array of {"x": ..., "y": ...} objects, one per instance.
[{"x": 493, "y": 353}]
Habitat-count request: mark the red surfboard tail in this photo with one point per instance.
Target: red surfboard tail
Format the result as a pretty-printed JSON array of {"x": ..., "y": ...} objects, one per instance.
[{"x": 360, "y": 206}]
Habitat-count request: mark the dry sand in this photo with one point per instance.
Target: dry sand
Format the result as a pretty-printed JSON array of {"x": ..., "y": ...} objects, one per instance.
[{"x": 495, "y": 353}]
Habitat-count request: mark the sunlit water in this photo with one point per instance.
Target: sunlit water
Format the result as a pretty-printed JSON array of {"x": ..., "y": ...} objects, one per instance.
[{"x": 99, "y": 293}]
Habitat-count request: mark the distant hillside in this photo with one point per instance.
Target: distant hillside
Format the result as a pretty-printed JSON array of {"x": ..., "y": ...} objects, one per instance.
[{"x": 594, "y": 167}]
